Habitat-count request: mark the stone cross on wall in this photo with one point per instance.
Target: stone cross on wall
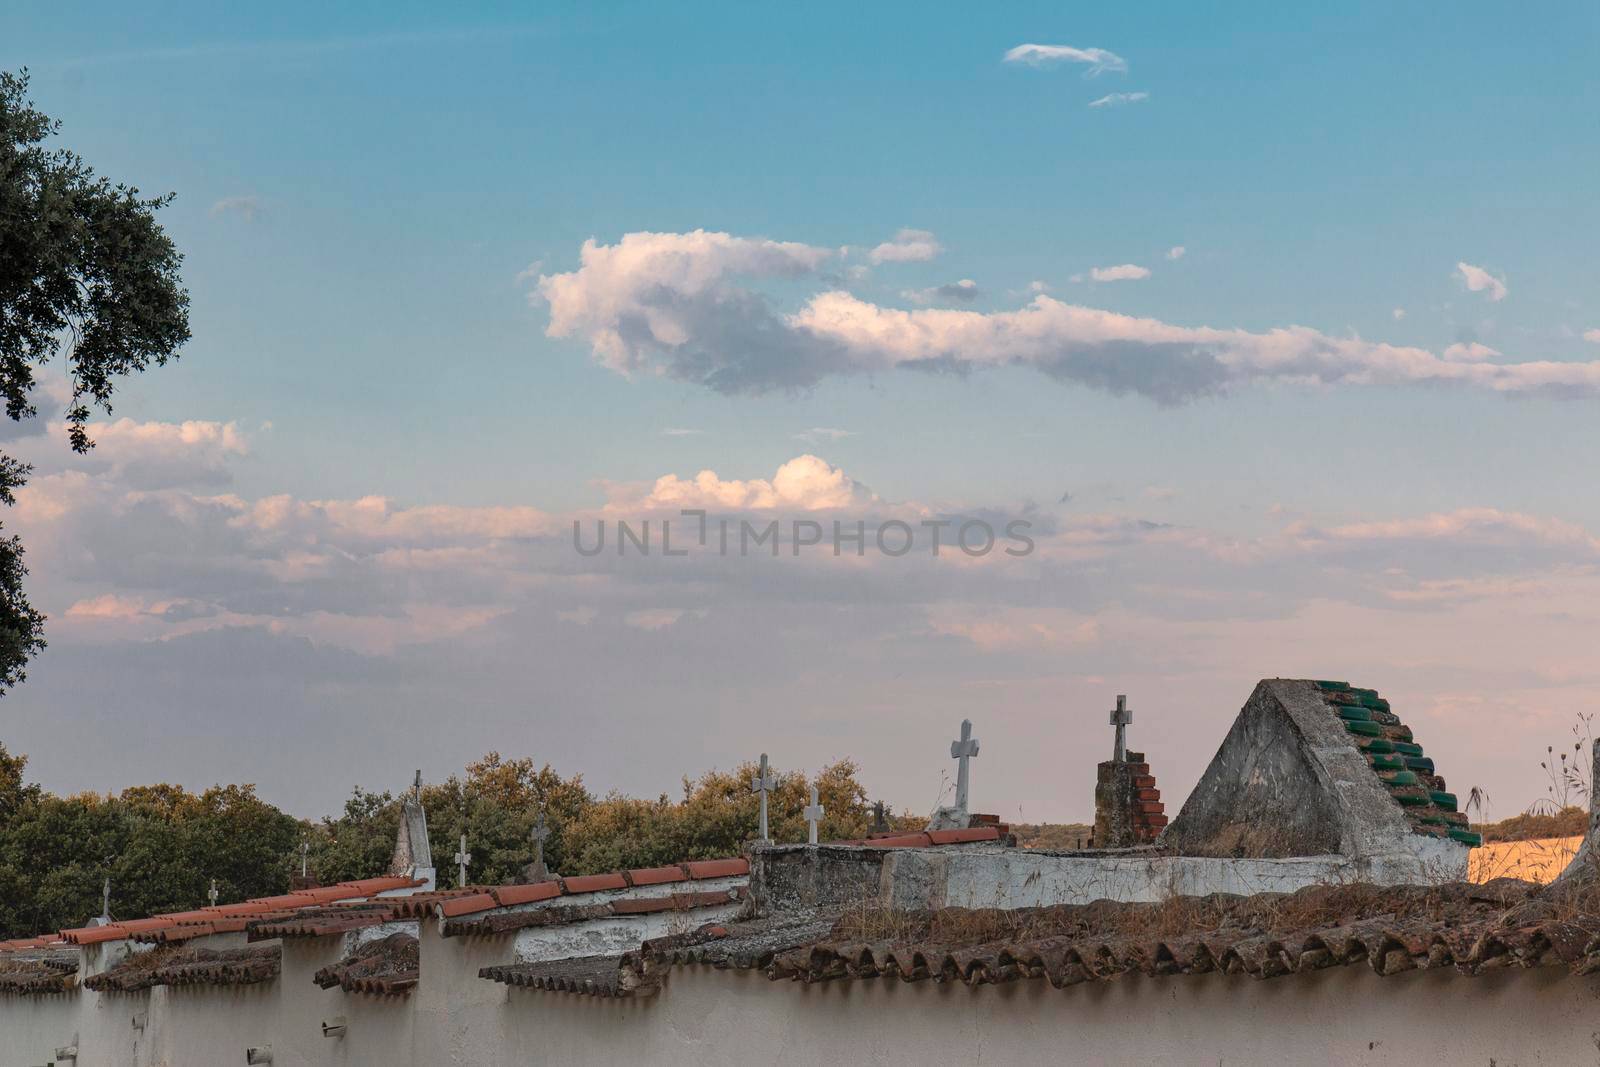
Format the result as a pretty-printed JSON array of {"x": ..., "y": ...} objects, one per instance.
[
  {"x": 1121, "y": 716},
  {"x": 462, "y": 858},
  {"x": 537, "y": 872},
  {"x": 416, "y": 785},
  {"x": 813, "y": 815},
  {"x": 105, "y": 899},
  {"x": 963, "y": 751},
  {"x": 880, "y": 819},
  {"x": 305, "y": 852},
  {"x": 762, "y": 784},
  {"x": 211, "y": 894}
]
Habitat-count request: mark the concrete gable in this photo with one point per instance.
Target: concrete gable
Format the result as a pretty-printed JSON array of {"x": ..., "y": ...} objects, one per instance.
[{"x": 1289, "y": 780}]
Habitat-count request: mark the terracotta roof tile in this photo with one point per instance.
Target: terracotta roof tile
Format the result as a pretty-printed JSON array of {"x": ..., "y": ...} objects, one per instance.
[
  {"x": 961, "y": 837},
  {"x": 657, "y": 875},
  {"x": 593, "y": 883},
  {"x": 467, "y": 905},
  {"x": 508, "y": 895},
  {"x": 387, "y": 966},
  {"x": 184, "y": 965},
  {"x": 729, "y": 868}
]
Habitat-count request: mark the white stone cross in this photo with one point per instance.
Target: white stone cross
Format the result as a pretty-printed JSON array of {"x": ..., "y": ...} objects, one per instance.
[
  {"x": 1121, "y": 716},
  {"x": 305, "y": 851},
  {"x": 462, "y": 858},
  {"x": 105, "y": 899},
  {"x": 540, "y": 834},
  {"x": 813, "y": 814},
  {"x": 211, "y": 894},
  {"x": 763, "y": 783},
  {"x": 963, "y": 750}
]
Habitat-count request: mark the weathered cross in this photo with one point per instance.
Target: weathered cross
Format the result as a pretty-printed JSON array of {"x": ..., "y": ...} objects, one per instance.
[
  {"x": 540, "y": 834},
  {"x": 880, "y": 821},
  {"x": 462, "y": 858},
  {"x": 963, "y": 750},
  {"x": 813, "y": 814},
  {"x": 416, "y": 785},
  {"x": 762, "y": 783},
  {"x": 1121, "y": 716},
  {"x": 211, "y": 894},
  {"x": 105, "y": 898},
  {"x": 305, "y": 851}
]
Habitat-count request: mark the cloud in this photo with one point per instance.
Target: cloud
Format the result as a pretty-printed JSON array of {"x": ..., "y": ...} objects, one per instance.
[
  {"x": 908, "y": 246},
  {"x": 1043, "y": 55},
  {"x": 1592, "y": 336},
  {"x": 1176, "y": 252},
  {"x": 964, "y": 291},
  {"x": 1119, "y": 99},
  {"x": 823, "y": 433},
  {"x": 1125, "y": 272},
  {"x": 681, "y": 431},
  {"x": 1479, "y": 280},
  {"x": 246, "y": 207},
  {"x": 1469, "y": 352},
  {"x": 1038, "y": 287},
  {"x": 667, "y": 304},
  {"x": 1397, "y": 314},
  {"x": 804, "y": 483}
]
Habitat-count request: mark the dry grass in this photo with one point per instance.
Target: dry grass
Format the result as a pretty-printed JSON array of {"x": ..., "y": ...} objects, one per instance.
[
  {"x": 1538, "y": 860},
  {"x": 1570, "y": 821},
  {"x": 1315, "y": 907}
]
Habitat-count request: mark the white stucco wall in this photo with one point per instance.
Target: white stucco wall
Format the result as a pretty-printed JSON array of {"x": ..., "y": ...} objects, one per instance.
[
  {"x": 1020, "y": 878},
  {"x": 705, "y": 1017}
]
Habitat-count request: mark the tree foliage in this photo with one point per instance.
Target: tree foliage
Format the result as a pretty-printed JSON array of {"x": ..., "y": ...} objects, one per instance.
[
  {"x": 86, "y": 274},
  {"x": 162, "y": 845}
]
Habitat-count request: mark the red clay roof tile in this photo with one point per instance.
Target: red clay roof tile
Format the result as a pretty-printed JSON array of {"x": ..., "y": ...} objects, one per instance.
[
  {"x": 732, "y": 868},
  {"x": 657, "y": 875},
  {"x": 593, "y": 883},
  {"x": 466, "y": 905},
  {"x": 960, "y": 837},
  {"x": 508, "y": 895}
]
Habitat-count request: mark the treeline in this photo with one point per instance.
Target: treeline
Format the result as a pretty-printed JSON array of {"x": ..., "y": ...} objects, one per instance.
[{"x": 162, "y": 846}]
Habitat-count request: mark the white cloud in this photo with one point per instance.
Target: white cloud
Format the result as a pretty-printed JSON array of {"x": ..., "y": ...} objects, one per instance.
[
  {"x": 1479, "y": 280},
  {"x": 643, "y": 289},
  {"x": 804, "y": 483},
  {"x": 1098, "y": 60},
  {"x": 1592, "y": 336},
  {"x": 908, "y": 246},
  {"x": 1118, "y": 99},
  {"x": 1176, "y": 252},
  {"x": 824, "y": 433},
  {"x": 246, "y": 207},
  {"x": 676, "y": 311},
  {"x": 680, "y": 431},
  {"x": 1469, "y": 352},
  {"x": 1041, "y": 287},
  {"x": 1398, "y": 313},
  {"x": 964, "y": 291},
  {"x": 1124, "y": 272}
]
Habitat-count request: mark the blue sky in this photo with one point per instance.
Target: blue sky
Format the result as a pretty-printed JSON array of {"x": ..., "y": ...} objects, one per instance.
[{"x": 363, "y": 196}]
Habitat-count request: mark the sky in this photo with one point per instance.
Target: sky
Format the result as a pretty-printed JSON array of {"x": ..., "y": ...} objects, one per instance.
[{"x": 1279, "y": 328}]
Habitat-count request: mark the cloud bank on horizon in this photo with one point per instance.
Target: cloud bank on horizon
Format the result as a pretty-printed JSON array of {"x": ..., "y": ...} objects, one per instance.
[{"x": 683, "y": 305}]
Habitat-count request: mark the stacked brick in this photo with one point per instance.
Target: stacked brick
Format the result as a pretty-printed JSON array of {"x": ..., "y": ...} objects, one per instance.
[
  {"x": 1397, "y": 760},
  {"x": 1127, "y": 805}
]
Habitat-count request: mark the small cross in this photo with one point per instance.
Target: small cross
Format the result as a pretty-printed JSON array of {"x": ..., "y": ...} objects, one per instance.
[
  {"x": 305, "y": 851},
  {"x": 105, "y": 898},
  {"x": 762, "y": 783},
  {"x": 462, "y": 858},
  {"x": 1121, "y": 716},
  {"x": 813, "y": 815},
  {"x": 540, "y": 834},
  {"x": 416, "y": 785},
  {"x": 211, "y": 894},
  {"x": 880, "y": 821},
  {"x": 963, "y": 750}
]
